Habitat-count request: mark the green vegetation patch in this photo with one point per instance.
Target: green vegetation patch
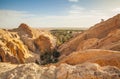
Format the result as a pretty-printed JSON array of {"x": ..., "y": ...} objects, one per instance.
[{"x": 64, "y": 35}]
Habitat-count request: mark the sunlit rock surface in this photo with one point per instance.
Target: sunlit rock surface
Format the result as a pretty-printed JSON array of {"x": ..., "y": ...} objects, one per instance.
[{"x": 64, "y": 71}]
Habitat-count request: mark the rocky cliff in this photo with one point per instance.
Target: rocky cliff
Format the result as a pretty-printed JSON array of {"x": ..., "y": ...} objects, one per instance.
[{"x": 104, "y": 35}]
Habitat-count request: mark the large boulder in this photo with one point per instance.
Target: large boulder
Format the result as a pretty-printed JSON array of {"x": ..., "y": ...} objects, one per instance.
[
  {"x": 46, "y": 50},
  {"x": 43, "y": 43}
]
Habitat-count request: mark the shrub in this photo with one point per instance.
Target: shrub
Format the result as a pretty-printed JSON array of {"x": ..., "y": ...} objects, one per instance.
[{"x": 48, "y": 57}]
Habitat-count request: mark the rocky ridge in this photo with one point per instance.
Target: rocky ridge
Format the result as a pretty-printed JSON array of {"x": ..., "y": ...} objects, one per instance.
[{"x": 104, "y": 35}]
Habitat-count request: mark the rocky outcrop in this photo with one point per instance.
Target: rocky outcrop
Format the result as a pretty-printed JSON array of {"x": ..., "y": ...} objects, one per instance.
[
  {"x": 24, "y": 29},
  {"x": 26, "y": 35},
  {"x": 101, "y": 57},
  {"x": 12, "y": 48},
  {"x": 100, "y": 36},
  {"x": 24, "y": 43},
  {"x": 32, "y": 37},
  {"x": 87, "y": 71},
  {"x": 16, "y": 52},
  {"x": 64, "y": 71}
]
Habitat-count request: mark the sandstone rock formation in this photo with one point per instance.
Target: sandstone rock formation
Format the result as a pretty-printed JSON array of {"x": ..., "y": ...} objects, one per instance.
[
  {"x": 24, "y": 29},
  {"x": 64, "y": 71},
  {"x": 12, "y": 48},
  {"x": 104, "y": 35},
  {"x": 2, "y": 55},
  {"x": 29, "y": 36},
  {"x": 101, "y": 57},
  {"x": 43, "y": 43},
  {"x": 29, "y": 42},
  {"x": 87, "y": 71},
  {"x": 24, "y": 43}
]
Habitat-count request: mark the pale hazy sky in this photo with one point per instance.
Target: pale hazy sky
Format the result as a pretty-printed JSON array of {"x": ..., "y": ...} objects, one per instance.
[{"x": 56, "y": 13}]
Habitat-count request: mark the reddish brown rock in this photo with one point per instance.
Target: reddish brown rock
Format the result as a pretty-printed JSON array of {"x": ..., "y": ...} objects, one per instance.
[
  {"x": 86, "y": 44},
  {"x": 2, "y": 55},
  {"x": 16, "y": 52},
  {"x": 29, "y": 42},
  {"x": 111, "y": 38},
  {"x": 102, "y": 57},
  {"x": 98, "y": 37},
  {"x": 20, "y": 55},
  {"x": 31, "y": 36},
  {"x": 12, "y": 48},
  {"x": 113, "y": 46},
  {"x": 43, "y": 44},
  {"x": 24, "y": 29}
]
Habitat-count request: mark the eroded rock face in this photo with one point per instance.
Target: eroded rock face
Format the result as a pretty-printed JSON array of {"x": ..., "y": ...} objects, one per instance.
[
  {"x": 11, "y": 47},
  {"x": 111, "y": 38},
  {"x": 25, "y": 44},
  {"x": 2, "y": 55},
  {"x": 24, "y": 29},
  {"x": 26, "y": 35},
  {"x": 87, "y": 71},
  {"x": 43, "y": 44},
  {"x": 100, "y": 36},
  {"x": 64, "y": 71},
  {"x": 17, "y": 54},
  {"x": 36, "y": 39},
  {"x": 29, "y": 71},
  {"x": 87, "y": 44},
  {"x": 101, "y": 57},
  {"x": 29, "y": 42}
]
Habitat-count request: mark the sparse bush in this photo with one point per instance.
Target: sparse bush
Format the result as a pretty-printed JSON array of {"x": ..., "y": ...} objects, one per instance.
[
  {"x": 62, "y": 36},
  {"x": 56, "y": 54},
  {"x": 48, "y": 57}
]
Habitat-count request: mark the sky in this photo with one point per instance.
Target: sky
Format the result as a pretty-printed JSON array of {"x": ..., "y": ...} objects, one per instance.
[{"x": 56, "y": 13}]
